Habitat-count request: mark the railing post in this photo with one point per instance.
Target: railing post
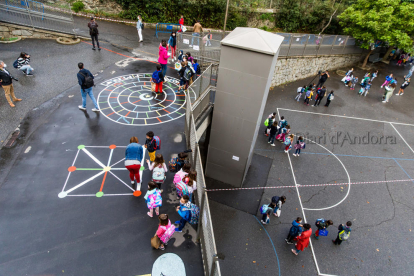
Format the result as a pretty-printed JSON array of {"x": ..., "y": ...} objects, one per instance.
[
  {"x": 213, "y": 265},
  {"x": 290, "y": 43},
  {"x": 28, "y": 12},
  {"x": 203, "y": 199},
  {"x": 346, "y": 41},
  {"x": 320, "y": 44},
  {"x": 333, "y": 43},
  {"x": 195, "y": 152},
  {"x": 306, "y": 43}
]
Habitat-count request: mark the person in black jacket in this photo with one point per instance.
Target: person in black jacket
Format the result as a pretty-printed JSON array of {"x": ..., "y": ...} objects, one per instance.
[
  {"x": 6, "y": 81},
  {"x": 93, "y": 31},
  {"x": 323, "y": 77},
  {"x": 272, "y": 135},
  {"x": 321, "y": 94},
  {"x": 151, "y": 145},
  {"x": 85, "y": 89}
]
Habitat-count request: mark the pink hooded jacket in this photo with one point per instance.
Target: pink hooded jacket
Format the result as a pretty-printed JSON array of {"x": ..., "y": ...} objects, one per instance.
[{"x": 163, "y": 56}]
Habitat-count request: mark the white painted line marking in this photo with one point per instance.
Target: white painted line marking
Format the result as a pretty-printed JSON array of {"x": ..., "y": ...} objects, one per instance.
[
  {"x": 347, "y": 117},
  {"x": 129, "y": 187},
  {"x": 402, "y": 138},
  {"x": 110, "y": 157},
  {"x": 73, "y": 164},
  {"x": 118, "y": 194},
  {"x": 94, "y": 158},
  {"x": 84, "y": 182},
  {"x": 117, "y": 163},
  {"x": 67, "y": 178},
  {"x": 118, "y": 169}
]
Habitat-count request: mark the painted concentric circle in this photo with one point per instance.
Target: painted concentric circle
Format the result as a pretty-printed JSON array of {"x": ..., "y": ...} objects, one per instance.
[{"x": 128, "y": 100}]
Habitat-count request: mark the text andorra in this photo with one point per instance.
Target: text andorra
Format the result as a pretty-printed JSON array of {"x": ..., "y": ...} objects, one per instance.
[{"x": 341, "y": 138}]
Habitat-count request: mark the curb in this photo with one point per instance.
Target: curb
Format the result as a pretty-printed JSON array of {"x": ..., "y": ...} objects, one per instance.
[
  {"x": 68, "y": 41},
  {"x": 6, "y": 42}
]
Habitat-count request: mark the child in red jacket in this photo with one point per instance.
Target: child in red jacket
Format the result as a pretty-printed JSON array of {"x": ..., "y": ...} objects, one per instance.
[{"x": 303, "y": 239}]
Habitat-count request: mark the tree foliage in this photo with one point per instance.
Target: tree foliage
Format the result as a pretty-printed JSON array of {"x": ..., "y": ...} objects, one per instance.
[{"x": 389, "y": 21}]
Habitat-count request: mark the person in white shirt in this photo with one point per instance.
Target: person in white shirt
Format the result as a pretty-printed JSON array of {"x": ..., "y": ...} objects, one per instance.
[{"x": 140, "y": 26}]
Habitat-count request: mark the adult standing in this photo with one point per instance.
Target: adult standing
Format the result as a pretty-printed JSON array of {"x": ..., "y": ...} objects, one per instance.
[
  {"x": 85, "y": 80},
  {"x": 410, "y": 72},
  {"x": 389, "y": 90},
  {"x": 6, "y": 81},
  {"x": 322, "y": 78},
  {"x": 181, "y": 22},
  {"x": 140, "y": 26},
  {"x": 23, "y": 64},
  {"x": 133, "y": 157},
  {"x": 321, "y": 94},
  {"x": 403, "y": 86},
  {"x": 303, "y": 239},
  {"x": 196, "y": 33},
  {"x": 93, "y": 31},
  {"x": 163, "y": 57},
  {"x": 330, "y": 98}
]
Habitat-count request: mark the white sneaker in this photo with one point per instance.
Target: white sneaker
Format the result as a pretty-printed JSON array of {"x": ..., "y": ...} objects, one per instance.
[
  {"x": 382, "y": 86},
  {"x": 286, "y": 151},
  {"x": 268, "y": 142},
  {"x": 132, "y": 182},
  {"x": 95, "y": 110},
  {"x": 397, "y": 94},
  {"x": 263, "y": 222},
  {"x": 294, "y": 154},
  {"x": 384, "y": 101},
  {"x": 81, "y": 107},
  {"x": 272, "y": 145}
]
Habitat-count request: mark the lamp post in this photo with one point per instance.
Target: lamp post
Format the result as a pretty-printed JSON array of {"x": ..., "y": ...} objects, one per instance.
[{"x": 225, "y": 18}]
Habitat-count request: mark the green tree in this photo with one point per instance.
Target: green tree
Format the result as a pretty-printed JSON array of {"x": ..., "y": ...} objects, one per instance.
[{"x": 389, "y": 21}]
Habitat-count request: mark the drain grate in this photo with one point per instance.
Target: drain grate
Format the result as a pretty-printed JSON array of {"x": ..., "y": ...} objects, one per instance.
[{"x": 12, "y": 138}]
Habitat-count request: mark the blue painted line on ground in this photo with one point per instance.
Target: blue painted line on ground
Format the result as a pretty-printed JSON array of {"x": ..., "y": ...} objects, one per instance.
[
  {"x": 170, "y": 116},
  {"x": 135, "y": 108},
  {"x": 126, "y": 120},
  {"x": 157, "y": 99},
  {"x": 345, "y": 155},
  {"x": 277, "y": 257},
  {"x": 403, "y": 169},
  {"x": 119, "y": 119},
  {"x": 173, "y": 107}
]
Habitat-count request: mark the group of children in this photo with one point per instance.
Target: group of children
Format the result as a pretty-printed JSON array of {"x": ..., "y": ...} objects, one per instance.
[
  {"x": 312, "y": 90},
  {"x": 300, "y": 233},
  {"x": 184, "y": 180},
  {"x": 281, "y": 131},
  {"x": 350, "y": 81},
  {"x": 188, "y": 69}
]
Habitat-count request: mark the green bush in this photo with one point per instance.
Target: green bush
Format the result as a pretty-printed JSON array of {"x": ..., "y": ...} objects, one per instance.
[
  {"x": 78, "y": 6},
  {"x": 266, "y": 16}
]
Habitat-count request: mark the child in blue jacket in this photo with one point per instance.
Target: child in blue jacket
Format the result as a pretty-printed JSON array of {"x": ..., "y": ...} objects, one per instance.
[
  {"x": 295, "y": 230},
  {"x": 184, "y": 210}
]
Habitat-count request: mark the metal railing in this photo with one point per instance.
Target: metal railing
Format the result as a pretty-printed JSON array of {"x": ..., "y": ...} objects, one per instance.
[
  {"x": 38, "y": 14},
  {"x": 166, "y": 28},
  {"x": 205, "y": 233},
  {"x": 205, "y": 50}
]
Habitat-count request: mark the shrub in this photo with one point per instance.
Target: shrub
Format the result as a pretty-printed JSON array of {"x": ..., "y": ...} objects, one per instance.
[{"x": 78, "y": 6}]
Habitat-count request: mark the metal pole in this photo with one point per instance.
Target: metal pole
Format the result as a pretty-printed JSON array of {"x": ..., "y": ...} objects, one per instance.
[
  {"x": 333, "y": 43},
  {"x": 203, "y": 199},
  {"x": 213, "y": 265},
  {"x": 225, "y": 18},
  {"x": 320, "y": 44},
  {"x": 195, "y": 154},
  {"x": 290, "y": 43},
  {"x": 346, "y": 41}
]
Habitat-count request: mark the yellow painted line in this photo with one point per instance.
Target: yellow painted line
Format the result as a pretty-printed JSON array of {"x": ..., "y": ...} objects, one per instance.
[
  {"x": 144, "y": 275},
  {"x": 105, "y": 108},
  {"x": 145, "y": 121},
  {"x": 158, "y": 113},
  {"x": 177, "y": 104},
  {"x": 161, "y": 105}
]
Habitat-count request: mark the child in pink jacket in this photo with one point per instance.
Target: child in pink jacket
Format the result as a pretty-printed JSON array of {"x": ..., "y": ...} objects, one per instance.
[{"x": 165, "y": 230}]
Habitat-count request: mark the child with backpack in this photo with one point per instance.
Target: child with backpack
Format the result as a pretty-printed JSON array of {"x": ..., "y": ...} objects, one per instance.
[
  {"x": 268, "y": 123},
  {"x": 153, "y": 199},
  {"x": 279, "y": 201},
  {"x": 197, "y": 69},
  {"x": 288, "y": 143},
  {"x": 343, "y": 233},
  {"x": 295, "y": 230},
  {"x": 299, "y": 92},
  {"x": 322, "y": 225},
  {"x": 152, "y": 143},
  {"x": 183, "y": 81},
  {"x": 192, "y": 184},
  {"x": 354, "y": 81},
  {"x": 300, "y": 144},
  {"x": 365, "y": 89},
  {"x": 303, "y": 239},
  {"x": 182, "y": 187},
  {"x": 329, "y": 98},
  {"x": 387, "y": 80},
  {"x": 158, "y": 169},
  {"x": 308, "y": 96},
  {"x": 158, "y": 79},
  {"x": 266, "y": 211},
  {"x": 282, "y": 136},
  {"x": 165, "y": 230},
  {"x": 184, "y": 210},
  {"x": 178, "y": 162},
  {"x": 282, "y": 123},
  {"x": 272, "y": 134}
]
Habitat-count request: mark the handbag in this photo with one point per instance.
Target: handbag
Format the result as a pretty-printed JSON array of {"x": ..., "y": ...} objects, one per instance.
[
  {"x": 323, "y": 232},
  {"x": 153, "y": 86},
  {"x": 184, "y": 29},
  {"x": 155, "y": 242}
]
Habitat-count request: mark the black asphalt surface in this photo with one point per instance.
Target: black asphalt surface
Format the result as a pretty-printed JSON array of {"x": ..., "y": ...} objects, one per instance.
[
  {"x": 48, "y": 235},
  {"x": 381, "y": 240}
]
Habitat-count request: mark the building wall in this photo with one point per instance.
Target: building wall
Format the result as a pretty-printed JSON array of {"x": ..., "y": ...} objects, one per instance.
[{"x": 290, "y": 69}]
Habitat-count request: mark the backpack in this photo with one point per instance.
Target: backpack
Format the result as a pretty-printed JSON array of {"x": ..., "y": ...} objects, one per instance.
[
  {"x": 198, "y": 71},
  {"x": 266, "y": 122},
  {"x": 299, "y": 89},
  {"x": 264, "y": 209},
  {"x": 88, "y": 82},
  {"x": 275, "y": 199},
  {"x": 158, "y": 174},
  {"x": 318, "y": 221},
  {"x": 283, "y": 124},
  {"x": 294, "y": 231},
  {"x": 158, "y": 142},
  {"x": 172, "y": 165},
  {"x": 331, "y": 98},
  {"x": 169, "y": 231},
  {"x": 195, "y": 213},
  {"x": 308, "y": 93},
  {"x": 16, "y": 64},
  {"x": 182, "y": 187},
  {"x": 94, "y": 29},
  {"x": 344, "y": 234},
  {"x": 187, "y": 74},
  {"x": 287, "y": 142},
  {"x": 156, "y": 77}
]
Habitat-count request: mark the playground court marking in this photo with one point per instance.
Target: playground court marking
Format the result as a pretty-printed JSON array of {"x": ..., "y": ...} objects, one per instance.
[
  {"x": 103, "y": 170},
  {"x": 294, "y": 177}
]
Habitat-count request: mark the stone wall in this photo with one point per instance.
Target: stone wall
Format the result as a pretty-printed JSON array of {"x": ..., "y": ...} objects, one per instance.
[
  {"x": 11, "y": 30},
  {"x": 290, "y": 69}
]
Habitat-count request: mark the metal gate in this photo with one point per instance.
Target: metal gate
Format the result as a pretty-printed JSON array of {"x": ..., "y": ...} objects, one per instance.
[{"x": 40, "y": 14}]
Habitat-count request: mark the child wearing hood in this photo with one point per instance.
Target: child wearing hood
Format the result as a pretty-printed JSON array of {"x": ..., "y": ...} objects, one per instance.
[
  {"x": 153, "y": 199},
  {"x": 184, "y": 210},
  {"x": 172, "y": 42},
  {"x": 165, "y": 230}
]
